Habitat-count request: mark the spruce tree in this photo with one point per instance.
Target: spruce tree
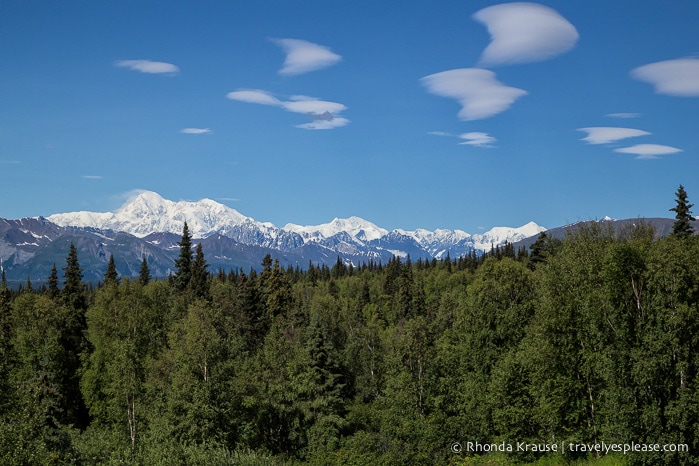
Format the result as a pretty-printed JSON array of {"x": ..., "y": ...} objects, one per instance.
[
  {"x": 539, "y": 251},
  {"x": 199, "y": 279},
  {"x": 111, "y": 275},
  {"x": 144, "y": 274},
  {"x": 183, "y": 264},
  {"x": 73, "y": 292},
  {"x": 682, "y": 228},
  {"x": 73, "y": 341},
  {"x": 53, "y": 283}
]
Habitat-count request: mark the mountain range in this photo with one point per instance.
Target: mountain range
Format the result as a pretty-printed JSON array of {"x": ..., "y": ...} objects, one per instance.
[{"x": 149, "y": 226}]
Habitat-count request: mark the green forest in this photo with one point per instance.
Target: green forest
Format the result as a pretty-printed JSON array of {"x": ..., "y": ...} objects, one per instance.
[{"x": 588, "y": 340}]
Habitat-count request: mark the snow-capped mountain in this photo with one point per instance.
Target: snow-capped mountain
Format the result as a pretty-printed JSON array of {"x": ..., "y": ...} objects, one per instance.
[
  {"x": 149, "y": 226},
  {"x": 148, "y": 213},
  {"x": 357, "y": 228},
  {"x": 501, "y": 235}
]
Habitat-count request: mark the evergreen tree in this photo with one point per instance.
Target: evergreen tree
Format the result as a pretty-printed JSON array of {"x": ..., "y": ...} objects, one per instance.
[
  {"x": 73, "y": 292},
  {"x": 183, "y": 263},
  {"x": 111, "y": 275},
  {"x": 538, "y": 251},
  {"x": 53, "y": 283},
  {"x": 144, "y": 274},
  {"x": 5, "y": 344},
  {"x": 199, "y": 280},
  {"x": 682, "y": 227},
  {"x": 73, "y": 340}
]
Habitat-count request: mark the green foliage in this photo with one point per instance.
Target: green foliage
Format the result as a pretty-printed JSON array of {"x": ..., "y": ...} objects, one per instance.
[
  {"x": 591, "y": 339},
  {"x": 144, "y": 276},
  {"x": 111, "y": 275},
  {"x": 183, "y": 263},
  {"x": 682, "y": 227}
]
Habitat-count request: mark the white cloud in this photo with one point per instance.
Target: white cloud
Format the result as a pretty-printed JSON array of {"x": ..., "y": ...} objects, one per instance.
[
  {"x": 148, "y": 66},
  {"x": 323, "y": 114},
  {"x": 478, "y": 139},
  {"x": 606, "y": 135},
  {"x": 648, "y": 151},
  {"x": 303, "y": 56},
  {"x": 478, "y": 91},
  {"x": 196, "y": 131},
  {"x": 254, "y": 96},
  {"x": 93, "y": 177},
  {"x": 312, "y": 106},
  {"x": 336, "y": 122},
  {"x": 623, "y": 115},
  {"x": 678, "y": 78},
  {"x": 524, "y": 32},
  {"x": 439, "y": 133}
]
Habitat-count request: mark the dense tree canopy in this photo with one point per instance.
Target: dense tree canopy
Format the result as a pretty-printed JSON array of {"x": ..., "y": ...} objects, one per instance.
[{"x": 590, "y": 340}]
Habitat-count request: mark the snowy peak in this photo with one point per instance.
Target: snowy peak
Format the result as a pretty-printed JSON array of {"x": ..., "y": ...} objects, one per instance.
[
  {"x": 358, "y": 228},
  {"x": 148, "y": 212},
  {"x": 500, "y": 235}
]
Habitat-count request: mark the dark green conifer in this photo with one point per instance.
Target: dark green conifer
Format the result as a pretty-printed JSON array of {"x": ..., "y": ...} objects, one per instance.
[
  {"x": 183, "y": 264},
  {"x": 682, "y": 228},
  {"x": 73, "y": 341},
  {"x": 111, "y": 275},
  {"x": 53, "y": 283},
  {"x": 73, "y": 292},
  {"x": 199, "y": 280},
  {"x": 144, "y": 274},
  {"x": 539, "y": 251}
]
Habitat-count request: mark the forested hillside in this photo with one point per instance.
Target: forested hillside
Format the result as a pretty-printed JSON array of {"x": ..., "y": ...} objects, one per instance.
[{"x": 587, "y": 340}]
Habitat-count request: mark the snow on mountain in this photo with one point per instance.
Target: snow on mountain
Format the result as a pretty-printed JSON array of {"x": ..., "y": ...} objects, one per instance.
[
  {"x": 439, "y": 241},
  {"x": 148, "y": 213},
  {"x": 500, "y": 235},
  {"x": 358, "y": 228}
]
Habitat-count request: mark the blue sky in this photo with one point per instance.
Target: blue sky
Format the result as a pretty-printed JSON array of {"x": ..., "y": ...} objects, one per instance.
[{"x": 450, "y": 114}]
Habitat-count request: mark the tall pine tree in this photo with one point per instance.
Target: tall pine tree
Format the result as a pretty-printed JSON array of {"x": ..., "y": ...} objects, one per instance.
[
  {"x": 73, "y": 340},
  {"x": 53, "y": 283},
  {"x": 183, "y": 263},
  {"x": 199, "y": 282},
  {"x": 144, "y": 276},
  {"x": 682, "y": 228},
  {"x": 111, "y": 275}
]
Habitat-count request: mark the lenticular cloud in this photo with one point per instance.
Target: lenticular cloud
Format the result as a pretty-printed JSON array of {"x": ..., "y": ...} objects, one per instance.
[
  {"x": 607, "y": 135},
  {"x": 478, "y": 91},
  {"x": 524, "y": 33},
  {"x": 303, "y": 56},
  {"x": 678, "y": 78}
]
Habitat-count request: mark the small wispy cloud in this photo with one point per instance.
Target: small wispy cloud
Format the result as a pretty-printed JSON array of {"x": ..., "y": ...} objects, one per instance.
[
  {"x": 477, "y": 139},
  {"x": 648, "y": 151},
  {"x": 303, "y": 56},
  {"x": 227, "y": 199},
  {"x": 524, "y": 33},
  {"x": 439, "y": 133},
  {"x": 92, "y": 177},
  {"x": 474, "y": 138},
  {"x": 322, "y": 113},
  {"x": 623, "y": 115},
  {"x": 679, "y": 78},
  {"x": 607, "y": 135},
  {"x": 196, "y": 131},
  {"x": 148, "y": 66},
  {"x": 478, "y": 91}
]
